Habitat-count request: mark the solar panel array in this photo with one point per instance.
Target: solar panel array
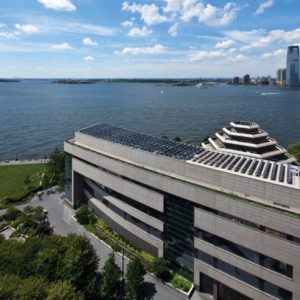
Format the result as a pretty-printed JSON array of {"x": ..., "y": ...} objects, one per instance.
[
  {"x": 268, "y": 170},
  {"x": 257, "y": 168},
  {"x": 142, "y": 141}
]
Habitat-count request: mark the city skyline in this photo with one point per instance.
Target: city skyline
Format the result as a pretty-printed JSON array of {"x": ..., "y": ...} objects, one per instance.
[{"x": 155, "y": 38}]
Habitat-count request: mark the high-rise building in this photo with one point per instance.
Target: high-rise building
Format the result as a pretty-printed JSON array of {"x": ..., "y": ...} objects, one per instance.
[
  {"x": 232, "y": 220},
  {"x": 246, "y": 79},
  {"x": 281, "y": 77},
  {"x": 292, "y": 65},
  {"x": 235, "y": 80}
]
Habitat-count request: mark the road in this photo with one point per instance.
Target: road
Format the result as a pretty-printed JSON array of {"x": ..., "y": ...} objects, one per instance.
[{"x": 61, "y": 219}]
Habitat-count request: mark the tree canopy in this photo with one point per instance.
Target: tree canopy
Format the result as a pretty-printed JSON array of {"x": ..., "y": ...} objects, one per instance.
[{"x": 294, "y": 150}]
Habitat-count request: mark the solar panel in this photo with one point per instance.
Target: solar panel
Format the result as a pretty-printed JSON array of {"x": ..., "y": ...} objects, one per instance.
[
  {"x": 246, "y": 166},
  {"x": 289, "y": 175},
  {"x": 253, "y": 168},
  {"x": 274, "y": 171},
  {"x": 281, "y": 173},
  {"x": 143, "y": 142},
  {"x": 232, "y": 164},
  {"x": 267, "y": 170},
  {"x": 260, "y": 169}
]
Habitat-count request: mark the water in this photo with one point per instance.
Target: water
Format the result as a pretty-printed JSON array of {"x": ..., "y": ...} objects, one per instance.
[{"x": 36, "y": 116}]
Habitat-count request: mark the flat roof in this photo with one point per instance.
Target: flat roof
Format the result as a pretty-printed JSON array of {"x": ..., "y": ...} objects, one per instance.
[
  {"x": 142, "y": 141},
  {"x": 266, "y": 170}
]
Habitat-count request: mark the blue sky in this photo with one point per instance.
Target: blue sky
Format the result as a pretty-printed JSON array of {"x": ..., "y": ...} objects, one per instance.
[{"x": 150, "y": 38}]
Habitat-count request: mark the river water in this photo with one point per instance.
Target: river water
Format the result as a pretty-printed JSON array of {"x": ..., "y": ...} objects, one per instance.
[{"x": 38, "y": 115}]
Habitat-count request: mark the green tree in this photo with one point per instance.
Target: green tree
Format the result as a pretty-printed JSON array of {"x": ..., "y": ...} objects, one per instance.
[
  {"x": 110, "y": 283},
  {"x": 161, "y": 269},
  {"x": 55, "y": 169},
  {"x": 134, "y": 278},
  {"x": 294, "y": 150},
  {"x": 82, "y": 215},
  {"x": 177, "y": 139},
  {"x": 63, "y": 291}
]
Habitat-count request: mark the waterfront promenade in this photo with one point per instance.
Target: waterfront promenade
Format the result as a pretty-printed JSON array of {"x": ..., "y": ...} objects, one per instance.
[{"x": 23, "y": 162}]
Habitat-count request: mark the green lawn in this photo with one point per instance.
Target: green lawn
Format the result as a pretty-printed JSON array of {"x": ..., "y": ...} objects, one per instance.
[{"x": 16, "y": 180}]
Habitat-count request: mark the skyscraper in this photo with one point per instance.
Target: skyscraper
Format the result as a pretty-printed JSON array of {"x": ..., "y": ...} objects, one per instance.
[{"x": 292, "y": 65}]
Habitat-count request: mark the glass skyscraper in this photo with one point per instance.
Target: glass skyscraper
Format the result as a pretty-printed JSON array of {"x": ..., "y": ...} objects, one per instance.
[{"x": 292, "y": 66}]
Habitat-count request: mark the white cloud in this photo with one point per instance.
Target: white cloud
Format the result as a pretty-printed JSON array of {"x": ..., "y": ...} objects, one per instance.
[
  {"x": 201, "y": 55},
  {"x": 63, "y": 46},
  {"x": 89, "y": 42},
  {"x": 231, "y": 50},
  {"x": 139, "y": 32},
  {"x": 238, "y": 58},
  {"x": 263, "y": 6},
  {"x": 65, "y": 5},
  {"x": 173, "y": 30},
  {"x": 7, "y": 35},
  {"x": 157, "y": 49},
  {"x": 207, "y": 14},
  {"x": 277, "y": 53},
  {"x": 149, "y": 12},
  {"x": 225, "y": 44},
  {"x": 3, "y": 25},
  {"x": 274, "y": 36},
  {"x": 27, "y": 29},
  {"x": 127, "y": 23},
  {"x": 244, "y": 36},
  {"x": 89, "y": 58}
]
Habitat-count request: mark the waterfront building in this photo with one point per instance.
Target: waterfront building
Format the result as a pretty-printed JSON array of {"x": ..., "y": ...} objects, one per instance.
[
  {"x": 292, "y": 66},
  {"x": 281, "y": 77},
  {"x": 248, "y": 139},
  {"x": 246, "y": 79},
  {"x": 232, "y": 220},
  {"x": 236, "y": 80}
]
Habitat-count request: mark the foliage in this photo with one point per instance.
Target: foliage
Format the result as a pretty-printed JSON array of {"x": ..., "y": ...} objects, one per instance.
[
  {"x": 180, "y": 283},
  {"x": 110, "y": 283},
  {"x": 177, "y": 139},
  {"x": 53, "y": 258},
  {"x": 82, "y": 215},
  {"x": 17, "y": 180},
  {"x": 63, "y": 291},
  {"x": 14, "y": 287},
  {"x": 294, "y": 150},
  {"x": 134, "y": 278},
  {"x": 161, "y": 269},
  {"x": 11, "y": 214},
  {"x": 55, "y": 169}
]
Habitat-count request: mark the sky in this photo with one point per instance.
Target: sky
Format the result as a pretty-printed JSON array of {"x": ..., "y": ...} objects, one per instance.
[{"x": 146, "y": 39}]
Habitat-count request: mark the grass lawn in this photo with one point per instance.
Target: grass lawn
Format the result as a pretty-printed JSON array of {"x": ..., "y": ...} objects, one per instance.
[{"x": 17, "y": 180}]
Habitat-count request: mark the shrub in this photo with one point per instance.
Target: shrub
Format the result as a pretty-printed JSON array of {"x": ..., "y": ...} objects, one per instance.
[
  {"x": 161, "y": 269},
  {"x": 82, "y": 215},
  {"x": 181, "y": 283}
]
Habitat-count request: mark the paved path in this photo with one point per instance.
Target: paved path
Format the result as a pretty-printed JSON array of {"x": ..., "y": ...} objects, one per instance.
[
  {"x": 23, "y": 162},
  {"x": 62, "y": 220}
]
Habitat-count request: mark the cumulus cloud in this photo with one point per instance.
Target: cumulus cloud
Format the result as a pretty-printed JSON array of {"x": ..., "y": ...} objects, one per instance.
[
  {"x": 27, "y": 29},
  {"x": 139, "y": 32},
  {"x": 156, "y": 49},
  {"x": 208, "y": 14},
  {"x": 225, "y": 44},
  {"x": 201, "y": 55},
  {"x": 127, "y": 23},
  {"x": 173, "y": 30},
  {"x": 65, "y": 5},
  {"x": 263, "y": 6},
  {"x": 89, "y": 42},
  {"x": 273, "y": 36},
  {"x": 277, "y": 53},
  {"x": 149, "y": 12},
  {"x": 7, "y": 35},
  {"x": 62, "y": 46},
  {"x": 89, "y": 58},
  {"x": 237, "y": 58}
]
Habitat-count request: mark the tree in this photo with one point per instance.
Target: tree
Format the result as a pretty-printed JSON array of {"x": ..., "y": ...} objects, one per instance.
[
  {"x": 55, "y": 169},
  {"x": 294, "y": 150},
  {"x": 134, "y": 278},
  {"x": 161, "y": 268},
  {"x": 177, "y": 139},
  {"x": 82, "y": 215},
  {"x": 110, "y": 283},
  {"x": 63, "y": 291}
]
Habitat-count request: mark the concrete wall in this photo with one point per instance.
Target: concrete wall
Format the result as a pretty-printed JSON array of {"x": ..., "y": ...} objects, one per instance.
[
  {"x": 124, "y": 227},
  {"x": 263, "y": 243},
  {"x": 236, "y": 183}
]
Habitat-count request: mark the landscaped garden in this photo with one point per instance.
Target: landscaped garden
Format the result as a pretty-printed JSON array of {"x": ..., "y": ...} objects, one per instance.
[{"x": 18, "y": 181}]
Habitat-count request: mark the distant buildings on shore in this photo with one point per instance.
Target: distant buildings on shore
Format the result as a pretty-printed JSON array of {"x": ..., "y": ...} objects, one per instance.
[{"x": 289, "y": 76}]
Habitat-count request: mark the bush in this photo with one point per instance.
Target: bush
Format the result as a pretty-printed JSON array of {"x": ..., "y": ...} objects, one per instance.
[
  {"x": 180, "y": 283},
  {"x": 295, "y": 150},
  {"x": 161, "y": 269},
  {"x": 82, "y": 215}
]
